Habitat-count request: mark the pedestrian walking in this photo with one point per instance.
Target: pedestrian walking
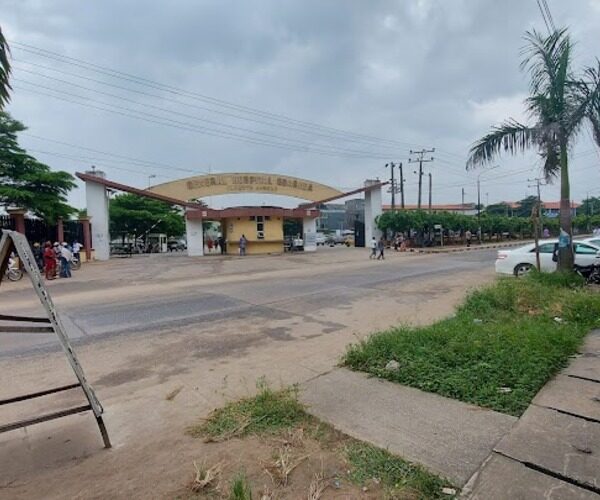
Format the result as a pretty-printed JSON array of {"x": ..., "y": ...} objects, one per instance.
[
  {"x": 373, "y": 245},
  {"x": 38, "y": 254},
  {"x": 243, "y": 243},
  {"x": 77, "y": 250},
  {"x": 49, "y": 261},
  {"x": 468, "y": 236},
  {"x": 65, "y": 261},
  {"x": 222, "y": 245},
  {"x": 209, "y": 244},
  {"x": 380, "y": 248},
  {"x": 546, "y": 233}
]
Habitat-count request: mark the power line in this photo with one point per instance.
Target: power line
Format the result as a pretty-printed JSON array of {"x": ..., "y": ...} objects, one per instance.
[
  {"x": 131, "y": 113},
  {"x": 242, "y": 129},
  {"x": 176, "y": 101},
  {"x": 194, "y": 95}
]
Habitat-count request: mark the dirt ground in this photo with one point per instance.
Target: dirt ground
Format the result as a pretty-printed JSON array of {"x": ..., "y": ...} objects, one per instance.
[{"x": 209, "y": 362}]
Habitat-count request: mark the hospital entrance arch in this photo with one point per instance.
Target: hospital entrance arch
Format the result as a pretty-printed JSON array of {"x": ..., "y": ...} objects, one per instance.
[{"x": 262, "y": 226}]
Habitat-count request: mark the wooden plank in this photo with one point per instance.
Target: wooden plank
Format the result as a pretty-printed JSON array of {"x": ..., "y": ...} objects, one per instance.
[
  {"x": 44, "y": 418},
  {"x": 26, "y": 329},
  {"x": 39, "y": 394},
  {"x": 29, "y": 319}
]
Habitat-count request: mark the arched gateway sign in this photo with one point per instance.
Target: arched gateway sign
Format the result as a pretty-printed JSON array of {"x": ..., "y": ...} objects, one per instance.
[
  {"x": 261, "y": 226},
  {"x": 192, "y": 188}
]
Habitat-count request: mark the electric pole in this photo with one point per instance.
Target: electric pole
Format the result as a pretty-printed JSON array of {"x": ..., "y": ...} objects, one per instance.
[
  {"x": 401, "y": 186},
  {"x": 393, "y": 186},
  {"x": 429, "y": 192},
  {"x": 420, "y": 159},
  {"x": 463, "y": 197},
  {"x": 538, "y": 183}
]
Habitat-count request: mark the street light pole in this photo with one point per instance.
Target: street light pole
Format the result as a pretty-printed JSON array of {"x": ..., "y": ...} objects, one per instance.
[{"x": 429, "y": 192}]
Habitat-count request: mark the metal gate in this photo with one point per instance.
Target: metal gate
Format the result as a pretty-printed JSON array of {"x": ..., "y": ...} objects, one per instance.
[{"x": 359, "y": 233}]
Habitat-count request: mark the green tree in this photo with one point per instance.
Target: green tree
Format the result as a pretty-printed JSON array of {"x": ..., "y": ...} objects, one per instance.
[
  {"x": 136, "y": 216},
  {"x": 590, "y": 206},
  {"x": 559, "y": 104},
  {"x": 525, "y": 206},
  {"x": 498, "y": 209},
  {"x": 27, "y": 183},
  {"x": 4, "y": 71}
]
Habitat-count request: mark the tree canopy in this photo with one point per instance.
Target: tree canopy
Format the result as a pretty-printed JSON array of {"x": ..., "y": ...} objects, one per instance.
[
  {"x": 27, "y": 183},
  {"x": 135, "y": 215}
]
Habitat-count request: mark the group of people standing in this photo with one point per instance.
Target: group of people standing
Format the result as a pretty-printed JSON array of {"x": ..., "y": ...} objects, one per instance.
[
  {"x": 218, "y": 243},
  {"x": 54, "y": 257}
]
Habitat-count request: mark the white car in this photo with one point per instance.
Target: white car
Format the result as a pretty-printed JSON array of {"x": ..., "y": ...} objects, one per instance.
[
  {"x": 320, "y": 239},
  {"x": 521, "y": 260},
  {"x": 594, "y": 240}
]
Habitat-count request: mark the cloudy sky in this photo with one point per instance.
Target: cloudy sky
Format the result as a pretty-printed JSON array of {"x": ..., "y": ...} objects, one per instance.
[{"x": 329, "y": 90}]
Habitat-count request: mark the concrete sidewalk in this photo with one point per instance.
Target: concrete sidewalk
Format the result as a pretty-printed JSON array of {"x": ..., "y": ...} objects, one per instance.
[
  {"x": 448, "y": 437},
  {"x": 554, "y": 449}
]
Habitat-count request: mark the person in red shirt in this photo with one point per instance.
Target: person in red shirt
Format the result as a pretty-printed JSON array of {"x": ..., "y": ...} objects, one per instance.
[{"x": 49, "y": 261}]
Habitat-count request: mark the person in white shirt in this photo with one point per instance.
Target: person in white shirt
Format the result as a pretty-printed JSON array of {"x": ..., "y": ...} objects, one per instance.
[
  {"x": 76, "y": 249},
  {"x": 373, "y": 245},
  {"x": 65, "y": 261}
]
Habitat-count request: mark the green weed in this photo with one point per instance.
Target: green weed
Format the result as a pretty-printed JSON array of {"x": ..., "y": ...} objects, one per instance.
[
  {"x": 500, "y": 348},
  {"x": 396, "y": 475},
  {"x": 240, "y": 489},
  {"x": 268, "y": 411}
]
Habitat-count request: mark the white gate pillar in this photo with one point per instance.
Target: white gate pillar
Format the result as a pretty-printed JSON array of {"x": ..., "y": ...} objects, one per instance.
[
  {"x": 195, "y": 237},
  {"x": 309, "y": 226},
  {"x": 373, "y": 208},
  {"x": 97, "y": 209}
]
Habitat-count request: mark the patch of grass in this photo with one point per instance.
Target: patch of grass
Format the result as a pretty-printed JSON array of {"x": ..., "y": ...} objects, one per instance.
[
  {"x": 268, "y": 411},
  {"x": 398, "y": 476},
  {"x": 240, "y": 489},
  {"x": 499, "y": 349}
]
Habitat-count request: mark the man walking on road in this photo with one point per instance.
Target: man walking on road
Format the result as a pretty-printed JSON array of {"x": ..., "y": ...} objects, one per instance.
[
  {"x": 380, "y": 248},
  {"x": 243, "y": 242},
  {"x": 373, "y": 244},
  {"x": 468, "y": 237},
  {"x": 65, "y": 261}
]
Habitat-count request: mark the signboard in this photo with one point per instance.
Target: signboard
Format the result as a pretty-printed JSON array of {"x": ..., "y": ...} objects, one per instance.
[{"x": 213, "y": 185}]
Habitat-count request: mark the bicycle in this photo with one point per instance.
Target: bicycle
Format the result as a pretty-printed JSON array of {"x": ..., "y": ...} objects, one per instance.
[{"x": 13, "y": 273}]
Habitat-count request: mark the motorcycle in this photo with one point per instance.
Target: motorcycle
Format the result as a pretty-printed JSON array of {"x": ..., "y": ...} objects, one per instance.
[
  {"x": 591, "y": 274},
  {"x": 13, "y": 273}
]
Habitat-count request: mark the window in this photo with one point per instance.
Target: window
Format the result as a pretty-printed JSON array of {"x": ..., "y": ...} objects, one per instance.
[
  {"x": 260, "y": 227},
  {"x": 580, "y": 248},
  {"x": 546, "y": 248}
]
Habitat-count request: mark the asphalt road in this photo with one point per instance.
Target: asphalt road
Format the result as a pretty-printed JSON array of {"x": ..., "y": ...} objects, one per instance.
[{"x": 253, "y": 295}]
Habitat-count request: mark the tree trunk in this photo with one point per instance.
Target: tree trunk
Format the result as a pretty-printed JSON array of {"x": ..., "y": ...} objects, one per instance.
[{"x": 565, "y": 254}]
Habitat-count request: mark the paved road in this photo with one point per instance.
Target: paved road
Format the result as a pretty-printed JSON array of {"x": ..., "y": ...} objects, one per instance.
[{"x": 102, "y": 307}]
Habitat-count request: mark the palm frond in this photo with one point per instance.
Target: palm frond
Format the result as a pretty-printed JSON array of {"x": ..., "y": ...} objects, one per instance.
[
  {"x": 547, "y": 59},
  {"x": 4, "y": 71},
  {"x": 511, "y": 136},
  {"x": 591, "y": 89}
]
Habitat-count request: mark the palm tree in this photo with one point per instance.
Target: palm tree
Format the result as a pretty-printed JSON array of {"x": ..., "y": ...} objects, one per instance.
[
  {"x": 559, "y": 105},
  {"x": 4, "y": 71}
]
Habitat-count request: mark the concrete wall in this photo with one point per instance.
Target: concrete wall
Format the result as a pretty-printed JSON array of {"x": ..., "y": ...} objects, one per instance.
[{"x": 97, "y": 210}]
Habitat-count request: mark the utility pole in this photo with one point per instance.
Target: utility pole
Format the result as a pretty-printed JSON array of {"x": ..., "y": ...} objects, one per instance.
[
  {"x": 429, "y": 192},
  {"x": 463, "y": 197},
  {"x": 401, "y": 186},
  {"x": 420, "y": 159},
  {"x": 538, "y": 183},
  {"x": 393, "y": 186}
]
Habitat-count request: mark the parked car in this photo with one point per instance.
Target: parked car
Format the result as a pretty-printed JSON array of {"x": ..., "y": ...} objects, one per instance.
[
  {"x": 594, "y": 240},
  {"x": 335, "y": 239},
  {"x": 293, "y": 244},
  {"x": 321, "y": 239},
  {"x": 520, "y": 261}
]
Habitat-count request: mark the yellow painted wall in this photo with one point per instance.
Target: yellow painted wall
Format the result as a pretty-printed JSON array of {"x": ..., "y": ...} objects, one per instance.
[{"x": 236, "y": 226}]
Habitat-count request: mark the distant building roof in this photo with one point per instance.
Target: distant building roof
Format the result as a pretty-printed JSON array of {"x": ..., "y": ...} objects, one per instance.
[{"x": 555, "y": 205}]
